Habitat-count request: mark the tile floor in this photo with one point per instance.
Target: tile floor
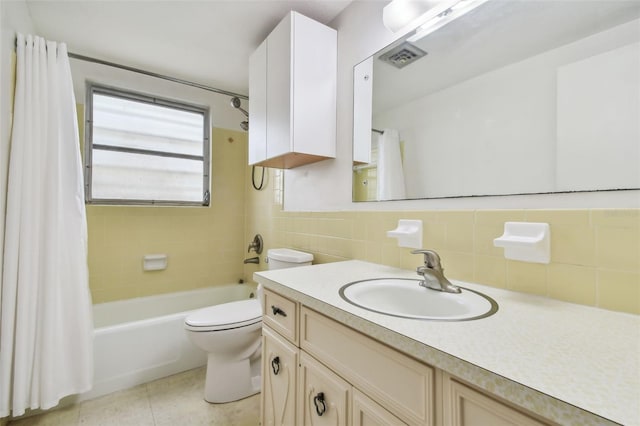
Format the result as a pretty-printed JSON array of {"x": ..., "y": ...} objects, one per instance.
[{"x": 172, "y": 401}]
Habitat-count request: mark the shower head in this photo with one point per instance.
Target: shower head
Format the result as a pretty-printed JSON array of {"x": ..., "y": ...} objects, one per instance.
[{"x": 236, "y": 102}]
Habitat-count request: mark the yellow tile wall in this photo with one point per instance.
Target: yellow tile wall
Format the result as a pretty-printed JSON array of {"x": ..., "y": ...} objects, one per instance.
[
  {"x": 595, "y": 253},
  {"x": 205, "y": 246}
]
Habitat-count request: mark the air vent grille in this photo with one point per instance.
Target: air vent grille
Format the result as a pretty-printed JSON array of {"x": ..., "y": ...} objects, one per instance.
[{"x": 402, "y": 55}]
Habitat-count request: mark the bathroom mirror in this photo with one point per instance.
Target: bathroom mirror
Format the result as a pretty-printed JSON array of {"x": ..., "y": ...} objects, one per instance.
[{"x": 513, "y": 97}]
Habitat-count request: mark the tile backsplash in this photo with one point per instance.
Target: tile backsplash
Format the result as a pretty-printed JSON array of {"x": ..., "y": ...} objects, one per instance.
[{"x": 595, "y": 253}]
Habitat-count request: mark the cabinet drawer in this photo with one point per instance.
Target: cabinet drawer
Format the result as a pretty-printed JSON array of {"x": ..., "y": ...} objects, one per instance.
[
  {"x": 281, "y": 314},
  {"x": 465, "y": 406},
  {"x": 401, "y": 384}
]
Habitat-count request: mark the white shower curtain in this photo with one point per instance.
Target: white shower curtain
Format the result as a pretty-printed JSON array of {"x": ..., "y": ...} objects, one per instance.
[
  {"x": 46, "y": 327},
  {"x": 390, "y": 171}
]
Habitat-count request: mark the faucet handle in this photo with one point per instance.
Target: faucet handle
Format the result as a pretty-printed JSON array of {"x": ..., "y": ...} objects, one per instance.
[
  {"x": 256, "y": 244},
  {"x": 431, "y": 258}
]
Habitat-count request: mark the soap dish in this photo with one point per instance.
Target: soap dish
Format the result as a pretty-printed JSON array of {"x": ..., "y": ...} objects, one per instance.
[{"x": 526, "y": 241}]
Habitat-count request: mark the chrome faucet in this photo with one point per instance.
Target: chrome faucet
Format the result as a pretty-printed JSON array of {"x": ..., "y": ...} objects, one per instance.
[{"x": 433, "y": 274}]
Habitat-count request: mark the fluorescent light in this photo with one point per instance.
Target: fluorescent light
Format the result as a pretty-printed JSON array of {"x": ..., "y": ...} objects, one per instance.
[
  {"x": 435, "y": 23},
  {"x": 399, "y": 13}
]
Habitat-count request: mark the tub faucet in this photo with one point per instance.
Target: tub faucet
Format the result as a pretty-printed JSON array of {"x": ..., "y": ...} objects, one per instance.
[
  {"x": 255, "y": 260},
  {"x": 433, "y": 274}
]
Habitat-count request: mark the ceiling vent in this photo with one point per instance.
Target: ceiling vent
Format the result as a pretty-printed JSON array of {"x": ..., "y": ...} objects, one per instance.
[{"x": 402, "y": 55}]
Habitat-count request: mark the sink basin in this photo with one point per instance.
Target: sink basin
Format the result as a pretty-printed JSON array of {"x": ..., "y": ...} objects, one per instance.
[{"x": 403, "y": 297}]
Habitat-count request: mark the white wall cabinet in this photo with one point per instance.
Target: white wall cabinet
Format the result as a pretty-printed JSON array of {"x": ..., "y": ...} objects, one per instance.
[
  {"x": 345, "y": 378},
  {"x": 292, "y": 91}
]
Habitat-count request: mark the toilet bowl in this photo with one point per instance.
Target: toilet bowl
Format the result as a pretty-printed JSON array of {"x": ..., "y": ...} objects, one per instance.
[{"x": 230, "y": 333}]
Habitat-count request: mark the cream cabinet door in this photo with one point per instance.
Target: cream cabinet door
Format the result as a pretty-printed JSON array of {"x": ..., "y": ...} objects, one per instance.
[
  {"x": 465, "y": 406},
  {"x": 366, "y": 412},
  {"x": 279, "y": 380},
  {"x": 324, "y": 397}
]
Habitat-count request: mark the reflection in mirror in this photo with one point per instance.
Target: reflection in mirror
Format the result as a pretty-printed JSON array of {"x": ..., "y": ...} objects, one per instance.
[{"x": 514, "y": 97}]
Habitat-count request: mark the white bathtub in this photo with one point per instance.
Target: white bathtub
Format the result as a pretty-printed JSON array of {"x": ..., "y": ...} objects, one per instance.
[{"x": 143, "y": 339}]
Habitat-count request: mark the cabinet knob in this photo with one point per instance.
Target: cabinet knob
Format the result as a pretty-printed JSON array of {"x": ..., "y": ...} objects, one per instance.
[
  {"x": 275, "y": 365},
  {"x": 278, "y": 311},
  {"x": 320, "y": 404}
]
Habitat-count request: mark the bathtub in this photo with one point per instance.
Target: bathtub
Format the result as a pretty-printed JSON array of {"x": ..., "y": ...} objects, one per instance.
[{"x": 143, "y": 339}]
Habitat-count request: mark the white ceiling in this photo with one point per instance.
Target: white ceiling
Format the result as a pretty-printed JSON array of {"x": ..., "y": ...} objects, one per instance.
[{"x": 206, "y": 41}]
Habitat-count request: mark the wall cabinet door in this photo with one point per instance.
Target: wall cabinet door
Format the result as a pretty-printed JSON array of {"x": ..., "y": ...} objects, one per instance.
[
  {"x": 258, "y": 104},
  {"x": 279, "y": 380},
  {"x": 324, "y": 397},
  {"x": 465, "y": 406},
  {"x": 279, "y": 86}
]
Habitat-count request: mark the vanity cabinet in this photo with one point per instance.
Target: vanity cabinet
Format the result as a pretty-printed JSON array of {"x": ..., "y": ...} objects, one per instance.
[
  {"x": 292, "y": 87},
  {"x": 321, "y": 372}
]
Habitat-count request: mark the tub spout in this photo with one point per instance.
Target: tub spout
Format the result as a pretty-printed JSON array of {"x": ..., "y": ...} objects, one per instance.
[{"x": 255, "y": 260}]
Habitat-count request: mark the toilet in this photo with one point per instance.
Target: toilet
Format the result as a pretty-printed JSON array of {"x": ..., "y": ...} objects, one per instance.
[{"x": 230, "y": 333}]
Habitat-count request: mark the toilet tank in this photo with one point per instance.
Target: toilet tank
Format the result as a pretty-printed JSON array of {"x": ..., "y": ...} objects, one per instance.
[{"x": 282, "y": 258}]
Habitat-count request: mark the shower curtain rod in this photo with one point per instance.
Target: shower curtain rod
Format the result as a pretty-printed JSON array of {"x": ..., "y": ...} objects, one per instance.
[
  {"x": 152, "y": 74},
  {"x": 156, "y": 75}
]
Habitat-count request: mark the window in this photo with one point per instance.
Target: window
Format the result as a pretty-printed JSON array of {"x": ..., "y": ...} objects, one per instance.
[{"x": 141, "y": 149}]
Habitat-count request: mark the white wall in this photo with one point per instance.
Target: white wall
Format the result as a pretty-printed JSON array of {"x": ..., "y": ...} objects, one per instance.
[{"x": 327, "y": 185}]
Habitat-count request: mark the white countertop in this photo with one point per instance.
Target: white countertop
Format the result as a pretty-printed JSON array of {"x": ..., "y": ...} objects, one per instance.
[{"x": 563, "y": 361}]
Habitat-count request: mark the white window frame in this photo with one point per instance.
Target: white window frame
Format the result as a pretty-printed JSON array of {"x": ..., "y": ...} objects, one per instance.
[{"x": 94, "y": 88}]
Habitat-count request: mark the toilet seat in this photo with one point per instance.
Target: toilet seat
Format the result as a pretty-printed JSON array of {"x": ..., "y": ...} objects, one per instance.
[{"x": 225, "y": 316}]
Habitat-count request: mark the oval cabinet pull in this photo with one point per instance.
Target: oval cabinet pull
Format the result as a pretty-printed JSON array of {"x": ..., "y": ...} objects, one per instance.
[
  {"x": 278, "y": 311},
  {"x": 275, "y": 365},
  {"x": 320, "y": 404}
]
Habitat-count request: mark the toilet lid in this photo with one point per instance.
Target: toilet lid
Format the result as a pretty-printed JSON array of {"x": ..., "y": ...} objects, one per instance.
[{"x": 225, "y": 316}]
